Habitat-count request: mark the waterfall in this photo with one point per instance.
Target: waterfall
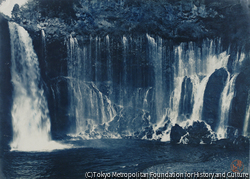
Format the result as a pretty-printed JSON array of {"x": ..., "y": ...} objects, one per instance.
[
  {"x": 246, "y": 128},
  {"x": 88, "y": 107},
  {"x": 116, "y": 85},
  {"x": 124, "y": 80},
  {"x": 30, "y": 115},
  {"x": 212, "y": 62},
  {"x": 227, "y": 97},
  {"x": 189, "y": 62},
  {"x": 225, "y": 103},
  {"x": 109, "y": 62},
  {"x": 155, "y": 54},
  {"x": 198, "y": 64},
  {"x": 43, "y": 39},
  {"x": 199, "y": 96}
]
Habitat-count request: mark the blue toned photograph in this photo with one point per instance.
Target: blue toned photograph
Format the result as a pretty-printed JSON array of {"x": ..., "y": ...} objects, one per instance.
[{"x": 124, "y": 89}]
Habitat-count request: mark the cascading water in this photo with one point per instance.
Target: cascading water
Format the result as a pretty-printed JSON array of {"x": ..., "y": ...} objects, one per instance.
[
  {"x": 212, "y": 62},
  {"x": 197, "y": 64},
  {"x": 155, "y": 54},
  {"x": 226, "y": 99},
  {"x": 103, "y": 103},
  {"x": 227, "y": 96},
  {"x": 30, "y": 115},
  {"x": 88, "y": 105},
  {"x": 43, "y": 40},
  {"x": 246, "y": 129}
]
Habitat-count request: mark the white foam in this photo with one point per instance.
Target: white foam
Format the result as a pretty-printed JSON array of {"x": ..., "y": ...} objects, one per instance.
[{"x": 30, "y": 114}]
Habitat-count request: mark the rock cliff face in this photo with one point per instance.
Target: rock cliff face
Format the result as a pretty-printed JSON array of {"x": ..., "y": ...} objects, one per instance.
[
  {"x": 5, "y": 87},
  {"x": 122, "y": 65},
  {"x": 215, "y": 86}
]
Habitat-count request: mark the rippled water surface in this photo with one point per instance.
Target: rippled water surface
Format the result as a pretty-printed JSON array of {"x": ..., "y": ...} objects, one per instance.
[{"x": 116, "y": 156}]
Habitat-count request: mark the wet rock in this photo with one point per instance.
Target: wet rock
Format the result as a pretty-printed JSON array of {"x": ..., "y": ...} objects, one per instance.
[
  {"x": 239, "y": 102},
  {"x": 6, "y": 85},
  {"x": 164, "y": 128},
  {"x": 149, "y": 132},
  {"x": 214, "y": 88},
  {"x": 128, "y": 123},
  {"x": 176, "y": 133},
  {"x": 198, "y": 132},
  {"x": 186, "y": 102}
]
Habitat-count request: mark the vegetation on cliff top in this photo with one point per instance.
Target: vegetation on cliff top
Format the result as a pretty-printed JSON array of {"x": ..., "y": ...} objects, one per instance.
[{"x": 182, "y": 20}]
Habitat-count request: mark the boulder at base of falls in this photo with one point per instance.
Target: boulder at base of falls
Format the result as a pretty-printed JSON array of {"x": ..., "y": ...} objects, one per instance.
[
  {"x": 194, "y": 135},
  {"x": 163, "y": 129},
  {"x": 176, "y": 133},
  {"x": 198, "y": 133}
]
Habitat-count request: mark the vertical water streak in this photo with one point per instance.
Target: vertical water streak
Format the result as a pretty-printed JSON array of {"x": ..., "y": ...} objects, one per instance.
[
  {"x": 43, "y": 42},
  {"x": 178, "y": 78},
  {"x": 237, "y": 63},
  {"x": 110, "y": 109},
  {"x": 71, "y": 73},
  {"x": 101, "y": 105},
  {"x": 96, "y": 59},
  {"x": 75, "y": 95},
  {"x": 145, "y": 105},
  {"x": 198, "y": 102},
  {"x": 85, "y": 64},
  {"x": 88, "y": 107},
  {"x": 30, "y": 115},
  {"x": 198, "y": 64},
  {"x": 125, "y": 76},
  {"x": 109, "y": 62},
  {"x": 155, "y": 54},
  {"x": 246, "y": 128},
  {"x": 213, "y": 62},
  {"x": 225, "y": 104}
]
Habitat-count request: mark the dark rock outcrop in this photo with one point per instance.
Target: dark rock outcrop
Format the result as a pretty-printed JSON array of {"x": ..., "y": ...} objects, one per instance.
[
  {"x": 239, "y": 102},
  {"x": 212, "y": 96},
  {"x": 192, "y": 135},
  {"x": 161, "y": 130},
  {"x": 5, "y": 85},
  {"x": 198, "y": 133},
  {"x": 176, "y": 133},
  {"x": 186, "y": 101}
]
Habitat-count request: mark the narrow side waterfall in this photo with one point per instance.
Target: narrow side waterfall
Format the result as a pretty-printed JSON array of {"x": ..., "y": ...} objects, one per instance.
[
  {"x": 199, "y": 96},
  {"x": 30, "y": 115},
  {"x": 43, "y": 39},
  {"x": 246, "y": 129},
  {"x": 43, "y": 45},
  {"x": 225, "y": 103}
]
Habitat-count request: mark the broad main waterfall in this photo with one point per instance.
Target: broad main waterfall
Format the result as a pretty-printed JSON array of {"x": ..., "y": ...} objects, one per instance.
[{"x": 30, "y": 114}]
